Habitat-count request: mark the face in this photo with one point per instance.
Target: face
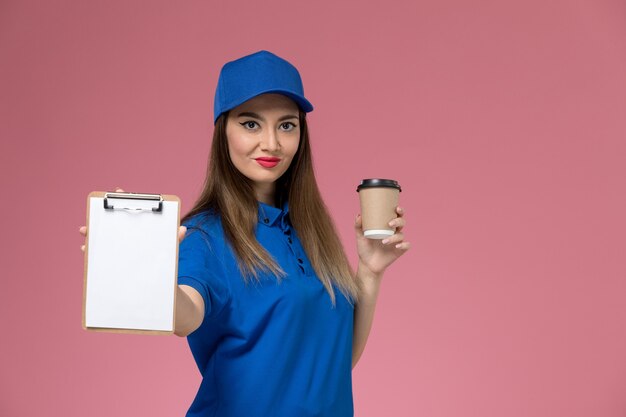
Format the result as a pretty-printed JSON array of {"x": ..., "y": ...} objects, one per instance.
[{"x": 263, "y": 136}]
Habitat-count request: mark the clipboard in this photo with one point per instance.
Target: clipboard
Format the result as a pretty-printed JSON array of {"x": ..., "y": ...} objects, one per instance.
[{"x": 131, "y": 262}]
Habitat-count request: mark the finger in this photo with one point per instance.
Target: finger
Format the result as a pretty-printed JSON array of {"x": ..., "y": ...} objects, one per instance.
[
  {"x": 398, "y": 223},
  {"x": 400, "y": 211},
  {"x": 82, "y": 247},
  {"x": 182, "y": 230},
  {"x": 83, "y": 230},
  {"x": 403, "y": 246},
  {"x": 396, "y": 238}
]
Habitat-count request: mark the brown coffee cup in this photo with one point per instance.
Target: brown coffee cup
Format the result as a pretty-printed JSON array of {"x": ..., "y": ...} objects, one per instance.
[{"x": 379, "y": 199}]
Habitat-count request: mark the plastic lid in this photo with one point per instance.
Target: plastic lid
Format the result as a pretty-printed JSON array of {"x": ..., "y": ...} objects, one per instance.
[{"x": 377, "y": 183}]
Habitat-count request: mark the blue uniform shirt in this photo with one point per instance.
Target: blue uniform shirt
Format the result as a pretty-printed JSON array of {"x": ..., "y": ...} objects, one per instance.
[{"x": 265, "y": 348}]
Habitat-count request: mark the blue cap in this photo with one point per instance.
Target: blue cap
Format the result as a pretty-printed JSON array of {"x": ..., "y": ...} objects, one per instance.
[{"x": 259, "y": 73}]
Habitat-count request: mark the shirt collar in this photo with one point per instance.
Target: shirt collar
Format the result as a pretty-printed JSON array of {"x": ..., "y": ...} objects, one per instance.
[{"x": 270, "y": 215}]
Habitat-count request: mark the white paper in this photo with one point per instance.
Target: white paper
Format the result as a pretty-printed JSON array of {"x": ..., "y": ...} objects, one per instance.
[{"x": 131, "y": 270}]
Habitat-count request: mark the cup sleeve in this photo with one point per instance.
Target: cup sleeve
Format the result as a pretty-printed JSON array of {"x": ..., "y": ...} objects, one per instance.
[{"x": 199, "y": 268}]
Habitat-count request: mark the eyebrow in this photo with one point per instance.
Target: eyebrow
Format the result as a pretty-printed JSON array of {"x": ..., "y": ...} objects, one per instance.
[{"x": 259, "y": 117}]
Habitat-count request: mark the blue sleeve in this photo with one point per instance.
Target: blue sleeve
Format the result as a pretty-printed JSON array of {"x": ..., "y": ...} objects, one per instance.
[{"x": 200, "y": 268}]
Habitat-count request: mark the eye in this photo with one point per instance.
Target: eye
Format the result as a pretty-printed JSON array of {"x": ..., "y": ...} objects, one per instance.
[
  {"x": 287, "y": 126},
  {"x": 250, "y": 124}
]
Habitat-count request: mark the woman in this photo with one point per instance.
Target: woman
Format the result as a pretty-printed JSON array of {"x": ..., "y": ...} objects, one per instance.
[{"x": 274, "y": 316}]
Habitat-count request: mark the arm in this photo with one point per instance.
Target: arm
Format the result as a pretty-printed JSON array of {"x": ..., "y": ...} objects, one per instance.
[
  {"x": 189, "y": 310},
  {"x": 364, "y": 310},
  {"x": 189, "y": 304},
  {"x": 374, "y": 258}
]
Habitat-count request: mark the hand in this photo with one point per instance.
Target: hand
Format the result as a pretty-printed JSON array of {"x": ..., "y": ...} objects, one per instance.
[
  {"x": 377, "y": 255},
  {"x": 181, "y": 230}
]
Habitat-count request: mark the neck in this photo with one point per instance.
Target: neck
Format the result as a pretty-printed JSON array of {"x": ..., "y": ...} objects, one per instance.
[{"x": 265, "y": 193}]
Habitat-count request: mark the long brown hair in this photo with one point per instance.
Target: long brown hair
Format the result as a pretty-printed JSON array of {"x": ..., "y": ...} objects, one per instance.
[{"x": 229, "y": 193}]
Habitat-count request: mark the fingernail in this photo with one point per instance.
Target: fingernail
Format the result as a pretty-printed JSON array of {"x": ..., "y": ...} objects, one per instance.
[{"x": 385, "y": 241}]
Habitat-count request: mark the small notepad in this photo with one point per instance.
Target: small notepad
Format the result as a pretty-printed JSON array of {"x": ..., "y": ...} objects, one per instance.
[{"x": 131, "y": 257}]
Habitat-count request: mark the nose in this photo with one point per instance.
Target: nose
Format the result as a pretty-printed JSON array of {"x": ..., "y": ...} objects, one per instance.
[{"x": 269, "y": 141}]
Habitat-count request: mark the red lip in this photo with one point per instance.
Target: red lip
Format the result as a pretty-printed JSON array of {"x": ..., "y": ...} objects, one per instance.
[{"x": 267, "y": 161}]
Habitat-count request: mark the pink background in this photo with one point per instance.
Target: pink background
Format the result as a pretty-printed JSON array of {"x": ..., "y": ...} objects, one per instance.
[{"x": 503, "y": 121}]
